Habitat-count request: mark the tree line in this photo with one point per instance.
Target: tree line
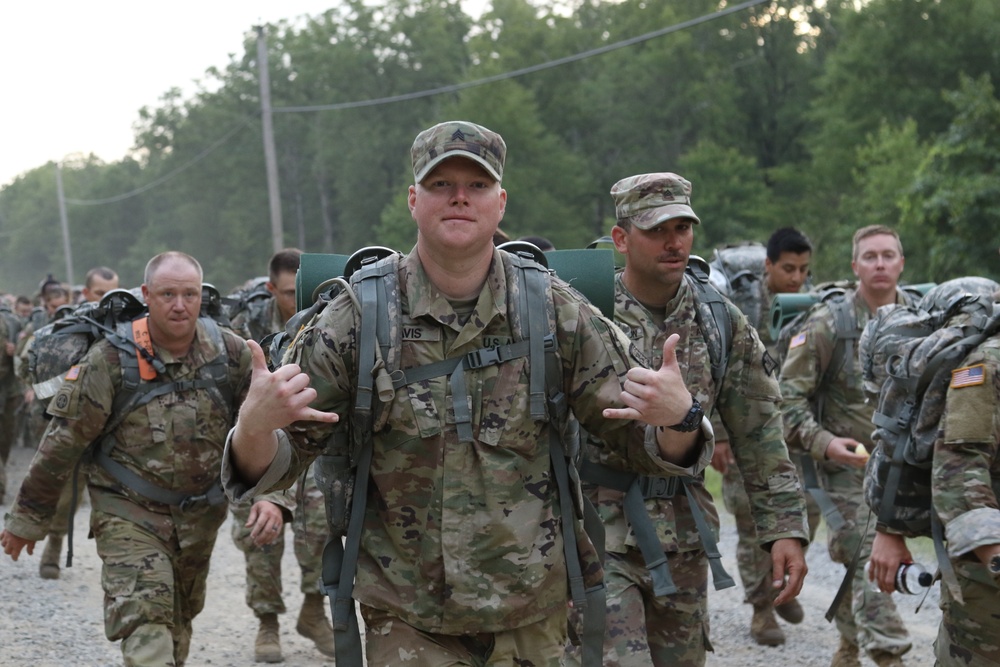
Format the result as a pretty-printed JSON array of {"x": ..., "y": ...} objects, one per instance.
[{"x": 823, "y": 115}]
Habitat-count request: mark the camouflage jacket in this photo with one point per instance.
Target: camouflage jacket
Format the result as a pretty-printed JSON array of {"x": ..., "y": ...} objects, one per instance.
[
  {"x": 260, "y": 318},
  {"x": 747, "y": 403},
  {"x": 966, "y": 469},
  {"x": 845, "y": 412},
  {"x": 463, "y": 538},
  {"x": 175, "y": 442}
]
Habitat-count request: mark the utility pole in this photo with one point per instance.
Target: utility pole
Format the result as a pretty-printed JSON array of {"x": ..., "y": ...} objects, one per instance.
[
  {"x": 271, "y": 162},
  {"x": 64, "y": 223}
]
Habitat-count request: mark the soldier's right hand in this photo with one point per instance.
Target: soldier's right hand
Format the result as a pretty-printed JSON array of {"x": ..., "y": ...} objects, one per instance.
[
  {"x": 277, "y": 399},
  {"x": 13, "y": 544},
  {"x": 841, "y": 450}
]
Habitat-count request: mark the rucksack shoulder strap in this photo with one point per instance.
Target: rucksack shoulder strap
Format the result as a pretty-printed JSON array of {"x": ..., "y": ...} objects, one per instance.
[{"x": 712, "y": 314}]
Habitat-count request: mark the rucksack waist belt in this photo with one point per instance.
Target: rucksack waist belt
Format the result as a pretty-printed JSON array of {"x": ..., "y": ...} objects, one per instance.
[
  {"x": 213, "y": 495},
  {"x": 649, "y": 486}
]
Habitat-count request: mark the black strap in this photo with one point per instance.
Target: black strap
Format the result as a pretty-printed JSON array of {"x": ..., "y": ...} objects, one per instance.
[
  {"x": 852, "y": 567},
  {"x": 638, "y": 488},
  {"x": 720, "y": 578},
  {"x": 213, "y": 495},
  {"x": 810, "y": 479}
]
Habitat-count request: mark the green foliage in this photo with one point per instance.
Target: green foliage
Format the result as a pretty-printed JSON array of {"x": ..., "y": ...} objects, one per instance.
[
  {"x": 827, "y": 116},
  {"x": 954, "y": 204}
]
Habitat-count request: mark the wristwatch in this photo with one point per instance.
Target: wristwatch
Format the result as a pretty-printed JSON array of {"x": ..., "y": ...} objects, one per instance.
[
  {"x": 691, "y": 421},
  {"x": 994, "y": 565}
]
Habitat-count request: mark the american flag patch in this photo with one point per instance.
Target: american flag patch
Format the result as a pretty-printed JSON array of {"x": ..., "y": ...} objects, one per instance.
[
  {"x": 969, "y": 376},
  {"x": 73, "y": 373},
  {"x": 799, "y": 339}
]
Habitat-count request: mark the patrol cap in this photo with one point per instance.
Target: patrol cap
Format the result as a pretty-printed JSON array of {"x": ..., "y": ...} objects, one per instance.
[
  {"x": 458, "y": 138},
  {"x": 648, "y": 200}
]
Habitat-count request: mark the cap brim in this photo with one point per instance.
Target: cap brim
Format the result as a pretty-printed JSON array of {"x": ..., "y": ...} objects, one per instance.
[
  {"x": 648, "y": 219},
  {"x": 456, "y": 153}
]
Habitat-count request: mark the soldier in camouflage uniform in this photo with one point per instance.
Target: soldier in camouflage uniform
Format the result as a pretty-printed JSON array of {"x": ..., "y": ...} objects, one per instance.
[
  {"x": 871, "y": 622},
  {"x": 786, "y": 269},
  {"x": 155, "y": 554},
  {"x": 966, "y": 495},
  {"x": 303, "y": 503},
  {"x": 461, "y": 559},
  {"x": 654, "y": 300},
  {"x": 98, "y": 282}
]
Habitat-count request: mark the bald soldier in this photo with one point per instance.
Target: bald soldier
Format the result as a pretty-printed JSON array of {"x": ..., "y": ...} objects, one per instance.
[{"x": 154, "y": 481}]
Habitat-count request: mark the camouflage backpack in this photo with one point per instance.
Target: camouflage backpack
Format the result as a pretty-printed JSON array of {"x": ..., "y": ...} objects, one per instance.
[
  {"x": 736, "y": 271},
  {"x": 60, "y": 344},
  {"x": 907, "y": 356},
  {"x": 249, "y": 297}
]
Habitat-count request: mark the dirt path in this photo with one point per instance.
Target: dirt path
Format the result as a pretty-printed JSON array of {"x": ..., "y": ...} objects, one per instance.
[{"x": 59, "y": 623}]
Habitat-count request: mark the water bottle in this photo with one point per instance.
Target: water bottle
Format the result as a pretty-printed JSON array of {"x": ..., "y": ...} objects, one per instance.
[{"x": 911, "y": 578}]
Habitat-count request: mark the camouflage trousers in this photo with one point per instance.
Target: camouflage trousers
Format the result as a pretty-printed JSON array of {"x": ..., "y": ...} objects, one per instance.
[
  {"x": 871, "y": 620},
  {"x": 153, "y": 589},
  {"x": 969, "y": 634},
  {"x": 263, "y": 564},
  {"x": 754, "y": 562},
  {"x": 390, "y": 641},
  {"x": 644, "y": 630}
]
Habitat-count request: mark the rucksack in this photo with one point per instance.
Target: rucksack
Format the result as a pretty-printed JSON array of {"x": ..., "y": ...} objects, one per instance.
[
  {"x": 907, "y": 356},
  {"x": 248, "y": 298},
  {"x": 371, "y": 277},
  {"x": 736, "y": 272},
  {"x": 59, "y": 345}
]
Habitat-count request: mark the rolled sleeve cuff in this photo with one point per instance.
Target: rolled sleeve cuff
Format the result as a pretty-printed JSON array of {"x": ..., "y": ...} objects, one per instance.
[
  {"x": 817, "y": 448},
  {"x": 706, "y": 441},
  {"x": 237, "y": 489},
  {"x": 24, "y": 527},
  {"x": 973, "y": 529}
]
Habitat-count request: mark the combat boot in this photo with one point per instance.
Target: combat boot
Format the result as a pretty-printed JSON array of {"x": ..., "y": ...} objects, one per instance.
[
  {"x": 764, "y": 626},
  {"x": 48, "y": 568},
  {"x": 846, "y": 655},
  {"x": 886, "y": 659},
  {"x": 790, "y": 611},
  {"x": 267, "y": 648},
  {"x": 313, "y": 624}
]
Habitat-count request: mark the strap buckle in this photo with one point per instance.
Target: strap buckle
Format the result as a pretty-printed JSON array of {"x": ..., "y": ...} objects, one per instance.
[
  {"x": 658, "y": 487},
  {"x": 486, "y": 356},
  {"x": 191, "y": 501}
]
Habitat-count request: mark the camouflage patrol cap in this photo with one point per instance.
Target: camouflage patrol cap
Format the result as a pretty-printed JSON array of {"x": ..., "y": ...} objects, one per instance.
[
  {"x": 458, "y": 138},
  {"x": 648, "y": 200}
]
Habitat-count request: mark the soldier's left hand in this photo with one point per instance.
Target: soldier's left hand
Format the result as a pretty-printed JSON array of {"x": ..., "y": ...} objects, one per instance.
[
  {"x": 655, "y": 397},
  {"x": 267, "y": 522},
  {"x": 13, "y": 544},
  {"x": 788, "y": 569}
]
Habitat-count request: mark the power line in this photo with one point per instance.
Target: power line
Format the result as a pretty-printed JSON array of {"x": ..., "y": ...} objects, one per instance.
[
  {"x": 166, "y": 177},
  {"x": 525, "y": 70},
  {"x": 430, "y": 92}
]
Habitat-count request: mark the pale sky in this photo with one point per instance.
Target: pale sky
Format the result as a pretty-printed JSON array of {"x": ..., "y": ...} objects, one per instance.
[{"x": 74, "y": 73}]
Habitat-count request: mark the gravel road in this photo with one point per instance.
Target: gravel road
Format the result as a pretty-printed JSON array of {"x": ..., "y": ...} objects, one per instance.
[{"x": 59, "y": 623}]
